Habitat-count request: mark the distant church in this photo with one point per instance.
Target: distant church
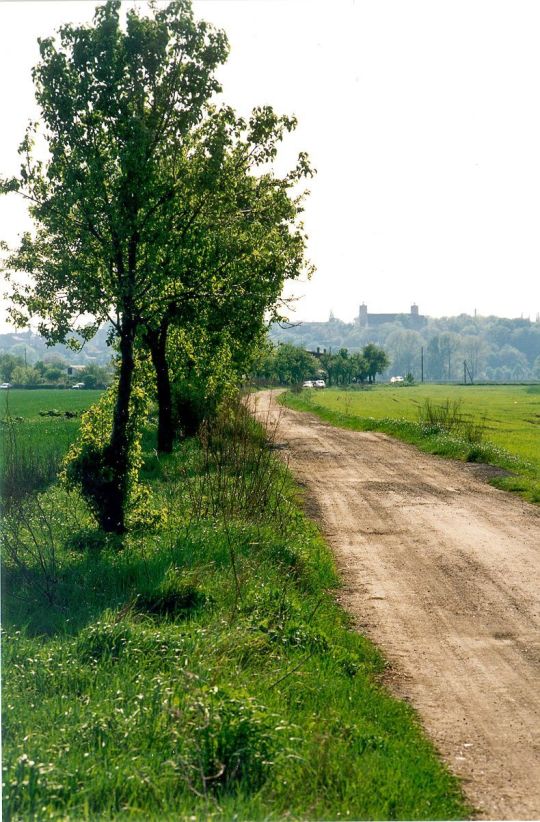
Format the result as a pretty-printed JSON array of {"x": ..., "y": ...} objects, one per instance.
[{"x": 412, "y": 320}]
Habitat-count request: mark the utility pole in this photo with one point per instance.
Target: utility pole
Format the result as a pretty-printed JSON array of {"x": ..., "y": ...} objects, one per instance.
[
  {"x": 464, "y": 372},
  {"x": 422, "y": 363}
]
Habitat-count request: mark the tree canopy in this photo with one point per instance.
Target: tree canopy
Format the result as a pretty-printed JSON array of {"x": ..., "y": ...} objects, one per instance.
[
  {"x": 154, "y": 209},
  {"x": 289, "y": 365}
]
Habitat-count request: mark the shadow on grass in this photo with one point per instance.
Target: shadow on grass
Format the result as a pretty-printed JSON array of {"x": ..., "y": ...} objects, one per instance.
[{"x": 152, "y": 574}]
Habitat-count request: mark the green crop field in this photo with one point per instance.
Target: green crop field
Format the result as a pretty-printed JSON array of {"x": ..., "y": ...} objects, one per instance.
[
  {"x": 499, "y": 424},
  {"x": 27, "y": 404},
  {"x": 45, "y": 433},
  {"x": 33, "y": 443}
]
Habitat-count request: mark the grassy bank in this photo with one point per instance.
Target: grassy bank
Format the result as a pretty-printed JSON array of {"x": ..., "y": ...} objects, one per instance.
[
  {"x": 499, "y": 425},
  {"x": 200, "y": 667}
]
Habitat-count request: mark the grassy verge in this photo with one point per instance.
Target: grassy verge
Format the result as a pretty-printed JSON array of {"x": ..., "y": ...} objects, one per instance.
[
  {"x": 201, "y": 668},
  {"x": 489, "y": 429}
]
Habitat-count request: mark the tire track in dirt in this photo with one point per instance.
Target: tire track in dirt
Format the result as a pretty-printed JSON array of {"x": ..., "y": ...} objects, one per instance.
[{"x": 442, "y": 571}]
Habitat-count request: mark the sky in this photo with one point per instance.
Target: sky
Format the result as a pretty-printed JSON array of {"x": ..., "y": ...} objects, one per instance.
[{"x": 422, "y": 118}]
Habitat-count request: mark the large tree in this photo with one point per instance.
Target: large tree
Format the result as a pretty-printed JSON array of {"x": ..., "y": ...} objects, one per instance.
[
  {"x": 118, "y": 105},
  {"x": 236, "y": 240}
]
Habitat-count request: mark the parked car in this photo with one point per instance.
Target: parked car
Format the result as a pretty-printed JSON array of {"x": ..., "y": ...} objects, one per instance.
[
  {"x": 320, "y": 384},
  {"x": 307, "y": 384},
  {"x": 5, "y": 385},
  {"x": 396, "y": 379},
  {"x": 78, "y": 385}
]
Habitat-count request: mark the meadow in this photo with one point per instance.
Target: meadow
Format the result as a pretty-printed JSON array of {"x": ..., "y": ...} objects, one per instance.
[
  {"x": 199, "y": 665},
  {"x": 499, "y": 425},
  {"x": 36, "y": 434},
  {"x": 28, "y": 403}
]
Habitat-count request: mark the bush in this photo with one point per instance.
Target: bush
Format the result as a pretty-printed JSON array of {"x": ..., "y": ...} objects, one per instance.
[
  {"x": 445, "y": 417},
  {"x": 239, "y": 475},
  {"x": 449, "y": 418},
  {"x": 33, "y": 534},
  {"x": 88, "y": 466},
  {"x": 89, "y": 539}
]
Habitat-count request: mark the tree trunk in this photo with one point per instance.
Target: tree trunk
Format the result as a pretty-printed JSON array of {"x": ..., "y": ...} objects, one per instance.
[
  {"x": 157, "y": 342},
  {"x": 116, "y": 454},
  {"x": 190, "y": 415}
]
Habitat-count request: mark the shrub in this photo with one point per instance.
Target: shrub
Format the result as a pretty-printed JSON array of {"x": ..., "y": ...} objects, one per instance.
[
  {"x": 33, "y": 534},
  {"x": 445, "y": 417},
  {"x": 475, "y": 454},
  {"x": 88, "y": 464},
  {"x": 448, "y": 417},
  {"x": 90, "y": 539},
  {"x": 239, "y": 474}
]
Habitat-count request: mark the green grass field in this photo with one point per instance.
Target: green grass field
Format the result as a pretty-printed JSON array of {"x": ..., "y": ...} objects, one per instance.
[
  {"x": 32, "y": 445},
  {"x": 27, "y": 403},
  {"x": 509, "y": 417},
  {"x": 200, "y": 667}
]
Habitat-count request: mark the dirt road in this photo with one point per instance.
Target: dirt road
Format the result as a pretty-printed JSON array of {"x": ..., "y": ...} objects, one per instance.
[{"x": 442, "y": 571}]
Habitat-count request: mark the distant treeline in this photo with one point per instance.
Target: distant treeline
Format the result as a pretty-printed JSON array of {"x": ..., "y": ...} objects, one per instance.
[
  {"x": 494, "y": 348},
  {"x": 51, "y": 372},
  {"x": 288, "y": 364},
  {"x": 32, "y": 348}
]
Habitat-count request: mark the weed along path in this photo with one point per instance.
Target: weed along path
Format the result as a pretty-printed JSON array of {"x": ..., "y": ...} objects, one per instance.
[{"x": 442, "y": 571}]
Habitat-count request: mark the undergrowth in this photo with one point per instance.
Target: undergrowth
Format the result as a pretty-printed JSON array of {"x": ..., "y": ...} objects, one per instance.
[
  {"x": 24, "y": 468},
  {"x": 199, "y": 668}
]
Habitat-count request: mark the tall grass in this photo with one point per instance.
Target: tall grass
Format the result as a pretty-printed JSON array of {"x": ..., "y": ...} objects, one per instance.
[
  {"x": 24, "y": 468},
  {"x": 203, "y": 668},
  {"x": 449, "y": 418},
  {"x": 237, "y": 473}
]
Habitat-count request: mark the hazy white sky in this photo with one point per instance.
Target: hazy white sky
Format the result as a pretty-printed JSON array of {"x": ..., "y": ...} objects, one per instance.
[{"x": 422, "y": 118}]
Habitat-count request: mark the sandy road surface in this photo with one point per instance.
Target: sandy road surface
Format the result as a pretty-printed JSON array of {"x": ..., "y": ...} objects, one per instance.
[{"x": 442, "y": 571}]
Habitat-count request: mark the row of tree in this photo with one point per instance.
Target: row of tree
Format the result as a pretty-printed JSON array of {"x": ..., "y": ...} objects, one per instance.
[
  {"x": 287, "y": 364},
  {"x": 494, "y": 348},
  {"x": 157, "y": 212},
  {"x": 51, "y": 372}
]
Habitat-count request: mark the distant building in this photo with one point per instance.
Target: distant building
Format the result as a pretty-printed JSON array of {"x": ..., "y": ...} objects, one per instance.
[{"x": 411, "y": 320}]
